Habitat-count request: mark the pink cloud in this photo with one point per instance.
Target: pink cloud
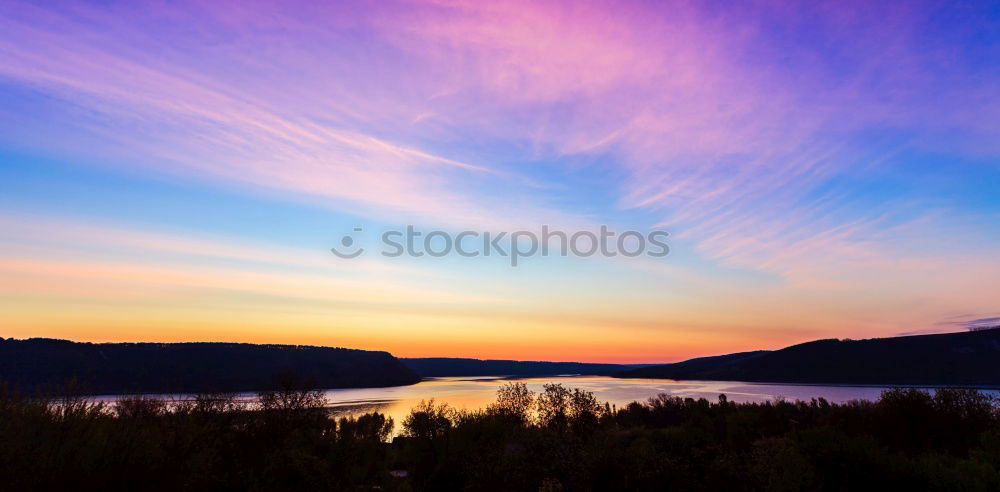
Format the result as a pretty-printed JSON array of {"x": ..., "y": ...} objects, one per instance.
[{"x": 718, "y": 123}]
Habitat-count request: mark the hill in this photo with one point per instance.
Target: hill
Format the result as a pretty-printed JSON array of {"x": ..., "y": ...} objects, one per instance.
[
  {"x": 445, "y": 367},
  {"x": 191, "y": 367},
  {"x": 968, "y": 358}
]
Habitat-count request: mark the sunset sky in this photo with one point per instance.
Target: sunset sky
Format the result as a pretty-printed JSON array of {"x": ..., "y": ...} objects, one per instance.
[{"x": 178, "y": 171}]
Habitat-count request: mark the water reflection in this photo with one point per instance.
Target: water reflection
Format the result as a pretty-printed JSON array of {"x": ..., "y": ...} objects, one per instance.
[{"x": 474, "y": 393}]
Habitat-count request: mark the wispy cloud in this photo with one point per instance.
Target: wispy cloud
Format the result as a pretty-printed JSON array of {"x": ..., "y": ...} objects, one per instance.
[
  {"x": 976, "y": 323},
  {"x": 212, "y": 111},
  {"x": 749, "y": 130},
  {"x": 791, "y": 140}
]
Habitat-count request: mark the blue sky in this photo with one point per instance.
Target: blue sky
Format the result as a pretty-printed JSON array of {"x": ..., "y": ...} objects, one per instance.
[{"x": 179, "y": 172}]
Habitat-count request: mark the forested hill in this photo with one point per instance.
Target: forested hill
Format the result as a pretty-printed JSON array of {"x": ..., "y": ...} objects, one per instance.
[
  {"x": 446, "y": 366},
  {"x": 28, "y": 365},
  {"x": 968, "y": 358}
]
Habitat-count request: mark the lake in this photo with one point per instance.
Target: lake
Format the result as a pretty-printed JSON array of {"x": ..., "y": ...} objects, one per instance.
[{"x": 476, "y": 392}]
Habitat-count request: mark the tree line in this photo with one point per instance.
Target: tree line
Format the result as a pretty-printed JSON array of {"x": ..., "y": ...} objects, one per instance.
[
  {"x": 558, "y": 439},
  {"x": 117, "y": 368}
]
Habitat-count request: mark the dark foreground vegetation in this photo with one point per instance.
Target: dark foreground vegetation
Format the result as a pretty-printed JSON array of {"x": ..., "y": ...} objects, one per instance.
[
  {"x": 114, "y": 368},
  {"x": 968, "y": 358},
  {"x": 560, "y": 439}
]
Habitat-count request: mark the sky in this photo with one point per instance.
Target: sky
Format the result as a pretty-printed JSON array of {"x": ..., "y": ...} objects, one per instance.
[{"x": 179, "y": 171}]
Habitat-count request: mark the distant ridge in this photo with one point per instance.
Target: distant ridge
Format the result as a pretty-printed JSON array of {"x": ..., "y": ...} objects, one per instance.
[
  {"x": 447, "y": 366},
  {"x": 107, "y": 368},
  {"x": 967, "y": 359}
]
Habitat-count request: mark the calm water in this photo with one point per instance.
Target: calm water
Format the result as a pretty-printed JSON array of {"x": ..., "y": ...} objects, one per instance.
[
  {"x": 473, "y": 393},
  {"x": 476, "y": 392}
]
